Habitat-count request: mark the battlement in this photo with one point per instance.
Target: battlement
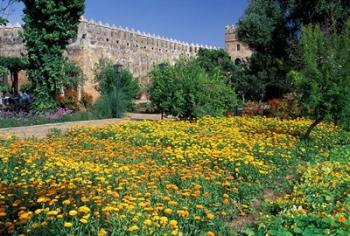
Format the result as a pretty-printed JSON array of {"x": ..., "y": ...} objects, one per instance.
[
  {"x": 143, "y": 34},
  {"x": 230, "y": 29},
  {"x": 133, "y": 49}
]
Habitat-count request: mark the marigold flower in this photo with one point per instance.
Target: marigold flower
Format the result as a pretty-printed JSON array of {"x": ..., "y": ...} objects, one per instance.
[
  {"x": 68, "y": 225},
  {"x": 147, "y": 222},
  {"x": 84, "y": 209},
  {"x": 84, "y": 221},
  {"x": 102, "y": 232},
  {"x": 168, "y": 211},
  {"x": 133, "y": 228},
  {"x": 73, "y": 213},
  {"x": 210, "y": 216},
  {"x": 173, "y": 224},
  {"x": 163, "y": 220},
  {"x": 210, "y": 233},
  {"x": 341, "y": 219},
  {"x": 66, "y": 202}
]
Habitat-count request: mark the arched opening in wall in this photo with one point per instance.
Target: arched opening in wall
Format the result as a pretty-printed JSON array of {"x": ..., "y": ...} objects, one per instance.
[
  {"x": 238, "y": 61},
  {"x": 238, "y": 47}
]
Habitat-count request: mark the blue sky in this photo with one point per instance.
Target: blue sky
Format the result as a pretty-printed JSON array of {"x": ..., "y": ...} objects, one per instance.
[{"x": 197, "y": 21}]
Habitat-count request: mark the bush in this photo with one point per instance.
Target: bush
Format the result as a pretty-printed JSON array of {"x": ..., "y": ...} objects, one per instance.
[
  {"x": 187, "y": 91},
  {"x": 287, "y": 107},
  {"x": 253, "y": 108},
  {"x": 111, "y": 105},
  {"x": 117, "y": 89},
  {"x": 114, "y": 85}
]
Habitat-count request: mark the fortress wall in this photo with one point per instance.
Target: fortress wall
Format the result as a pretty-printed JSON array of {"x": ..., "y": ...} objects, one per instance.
[{"x": 135, "y": 50}]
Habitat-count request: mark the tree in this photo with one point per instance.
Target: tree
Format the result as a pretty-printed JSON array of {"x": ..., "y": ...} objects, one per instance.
[
  {"x": 187, "y": 91},
  {"x": 324, "y": 78},
  {"x": 272, "y": 29},
  {"x": 49, "y": 25},
  {"x": 13, "y": 65},
  {"x": 117, "y": 88},
  {"x": 210, "y": 60},
  {"x": 263, "y": 28}
]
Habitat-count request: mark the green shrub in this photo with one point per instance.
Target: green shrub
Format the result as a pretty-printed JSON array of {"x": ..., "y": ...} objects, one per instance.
[
  {"x": 114, "y": 85},
  {"x": 187, "y": 91},
  {"x": 112, "y": 104}
]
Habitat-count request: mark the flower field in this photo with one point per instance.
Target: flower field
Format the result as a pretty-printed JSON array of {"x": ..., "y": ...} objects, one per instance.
[{"x": 176, "y": 178}]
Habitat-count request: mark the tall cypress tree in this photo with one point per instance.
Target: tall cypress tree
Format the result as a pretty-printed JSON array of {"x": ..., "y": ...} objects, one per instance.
[{"x": 48, "y": 27}]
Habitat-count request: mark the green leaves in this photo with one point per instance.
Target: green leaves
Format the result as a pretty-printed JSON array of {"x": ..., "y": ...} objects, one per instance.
[
  {"x": 324, "y": 79},
  {"x": 48, "y": 27},
  {"x": 187, "y": 91}
]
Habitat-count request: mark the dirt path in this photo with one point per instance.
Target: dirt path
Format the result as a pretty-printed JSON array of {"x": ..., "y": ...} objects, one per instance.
[{"x": 40, "y": 131}]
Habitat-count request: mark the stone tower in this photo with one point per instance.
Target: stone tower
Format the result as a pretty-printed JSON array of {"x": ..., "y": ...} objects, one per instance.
[{"x": 237, "y": 50}]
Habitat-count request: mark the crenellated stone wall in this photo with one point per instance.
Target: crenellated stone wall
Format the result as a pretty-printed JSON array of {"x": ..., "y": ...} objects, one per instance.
[{"x": 135, "y": 50}]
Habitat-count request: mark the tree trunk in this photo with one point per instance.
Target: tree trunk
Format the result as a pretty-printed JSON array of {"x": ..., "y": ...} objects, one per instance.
[{"x": 312, "y": 126}]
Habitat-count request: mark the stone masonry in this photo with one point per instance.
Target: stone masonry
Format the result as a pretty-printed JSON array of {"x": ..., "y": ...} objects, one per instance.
[
  {"x": 237, "y": 50},
  {"x": 135, "y": 50}
]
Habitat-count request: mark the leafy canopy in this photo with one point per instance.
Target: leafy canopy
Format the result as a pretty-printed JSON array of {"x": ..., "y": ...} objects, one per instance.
[
  {"x": 49, "y": 25},
  {"x": 187, "y": 91},
  {"x": 324, "y": 78},
  {"x": 272, "y": 29}
]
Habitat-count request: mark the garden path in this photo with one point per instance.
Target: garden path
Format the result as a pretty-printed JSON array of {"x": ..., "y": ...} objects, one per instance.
[{"x": 41, "y": 131}]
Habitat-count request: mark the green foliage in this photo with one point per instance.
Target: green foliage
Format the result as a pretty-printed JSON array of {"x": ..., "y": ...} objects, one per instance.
[
  {"x": 264, "y": 30},
  {"x": 111, "y": 104},
  {"x": 187, "y": 91},
  {"x": 323, "y": 192},
  {"x": 13, "y": 64},
  {"x": 48, "y": 27},
  {"x": 272, "y": 29},
  {"x": 108, "y": 79},
  {"x": 211, "y": 60},
  {"x": 324, "y": 79},
  {"x": 3, "y": 71}
]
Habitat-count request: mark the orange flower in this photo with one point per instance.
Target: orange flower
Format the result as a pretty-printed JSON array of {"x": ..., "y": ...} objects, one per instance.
[{"x": 341, "y": 219}]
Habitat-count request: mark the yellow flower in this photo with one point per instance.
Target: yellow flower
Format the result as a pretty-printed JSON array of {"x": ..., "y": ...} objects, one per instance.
[
  {"x": 133, "y": 228},
  {"x": 66, "y": 202},
  {"x": 147, "y": 222},
  {"x": 210, "y": 233},
  {"x": 102, "y": 232},
  {"x": 172, "y": 203},
  {"x": 173, "y": 224},
  {"x": 168, "y": 211},
  {"x": 163, "y": 220},
  {"x": 38, "y": 211},
  {"x": 84, "y": 209},
  {"x": 210, "y": 216},
  {"x": 25, "y": 216},
  {"x": 84, "y": 199},
  {"x": 43, "y": 200},
  {"x": 84, "y": 221},
  {"x": 68, "y": 225},
  {"x": 73, "y": 213},
  {"x": 52, "y": 213}
]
